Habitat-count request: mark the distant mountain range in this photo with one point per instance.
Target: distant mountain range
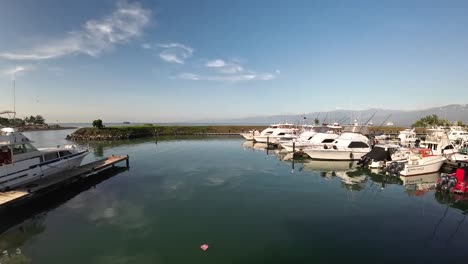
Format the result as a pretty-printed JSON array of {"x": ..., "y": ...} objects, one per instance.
[{"x": 452, "y": 112}]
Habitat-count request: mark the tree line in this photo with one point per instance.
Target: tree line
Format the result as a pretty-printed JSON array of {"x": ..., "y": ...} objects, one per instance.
[
  {"x": 31, "y": 120},
  {"x": 434, "y": 120}
]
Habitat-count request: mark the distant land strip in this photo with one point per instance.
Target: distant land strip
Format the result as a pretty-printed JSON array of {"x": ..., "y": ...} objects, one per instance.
[{"x": 129, "y": 132}]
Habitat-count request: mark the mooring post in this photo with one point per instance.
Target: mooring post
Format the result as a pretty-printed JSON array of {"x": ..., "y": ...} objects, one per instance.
[
  {"x": 268, "y": 142},
  {"x": 127, "y": 161},
  {"x": 294, "y": 147}
]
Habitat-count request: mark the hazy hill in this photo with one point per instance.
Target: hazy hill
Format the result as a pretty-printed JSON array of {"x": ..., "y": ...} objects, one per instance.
[{"x": 398, "y": 117}]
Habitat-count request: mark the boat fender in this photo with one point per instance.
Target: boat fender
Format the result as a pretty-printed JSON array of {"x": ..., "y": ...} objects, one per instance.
[
  {"x": 325, "y": 146},
  {"x": 334, "y": 147}
]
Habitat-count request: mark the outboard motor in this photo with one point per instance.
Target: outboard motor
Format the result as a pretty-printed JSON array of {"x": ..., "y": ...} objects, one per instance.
[
  {"x": 450, "y": 184},
  {"x": 364, "y": 161},
  {"x": 444, "y": 178},
  {"x": 394, "y": 168},
  {"x": 390, "y": 167}
]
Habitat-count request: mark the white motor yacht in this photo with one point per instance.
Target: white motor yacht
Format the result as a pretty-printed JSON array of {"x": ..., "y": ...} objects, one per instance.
[
  {"x": 317, "y": 138},
  {"x": 21, "y": 162},
  {"x": 273, "y": 133},
  {"x": 352, "y": 144}
]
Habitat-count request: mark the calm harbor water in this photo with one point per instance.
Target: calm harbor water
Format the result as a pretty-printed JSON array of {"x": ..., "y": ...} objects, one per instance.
[{"x": 247, "y": 204}]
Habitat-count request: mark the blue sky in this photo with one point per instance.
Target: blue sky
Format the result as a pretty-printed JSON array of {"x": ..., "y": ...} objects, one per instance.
[{"x": 175, "y": 61}]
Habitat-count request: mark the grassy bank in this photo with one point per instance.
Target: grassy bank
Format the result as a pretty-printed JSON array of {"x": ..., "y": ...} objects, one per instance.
[{"x": 127, "y": 132}]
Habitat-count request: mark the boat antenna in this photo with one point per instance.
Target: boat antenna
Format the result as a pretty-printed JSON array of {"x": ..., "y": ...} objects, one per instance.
[
  {"x": 325, "y": 119},
  {"x": 385, "y": 120},
  {"x": 370, "y": 118},
  {"x": 367, "y": 121},
  {"x": 342, "y": 120},
  {"x": 14, "y": 96}
]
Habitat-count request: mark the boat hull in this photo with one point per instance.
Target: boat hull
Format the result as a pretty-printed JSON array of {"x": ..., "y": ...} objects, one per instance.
[
  {"x": 247, "y": 136},
  {"x": 430, "y": 165},
  {"x": 332, "y": 154},
  {"x": 456, "y": 157}
]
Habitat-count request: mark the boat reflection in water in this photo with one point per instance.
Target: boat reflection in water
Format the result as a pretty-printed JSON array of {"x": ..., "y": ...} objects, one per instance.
[
  {"x": 263, "y": 147},
  {"x": 351, "y": 177},
  {"x": 420, "y": 184}
]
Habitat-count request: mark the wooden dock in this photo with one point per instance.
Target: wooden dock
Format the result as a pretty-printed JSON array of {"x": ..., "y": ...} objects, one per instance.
[
  {"x": 217, "y": 134},
  {"x": 53, "y": 182}
]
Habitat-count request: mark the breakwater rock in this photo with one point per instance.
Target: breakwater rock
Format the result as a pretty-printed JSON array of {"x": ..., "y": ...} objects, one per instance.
[{"x": 128, "y": 132}]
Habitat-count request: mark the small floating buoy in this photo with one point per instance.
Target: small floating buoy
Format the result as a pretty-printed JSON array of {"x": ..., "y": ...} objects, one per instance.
[{"x": 204, "y": 247}]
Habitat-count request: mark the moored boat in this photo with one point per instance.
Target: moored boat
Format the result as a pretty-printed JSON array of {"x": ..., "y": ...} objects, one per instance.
[
  {"x": 21, "y": 162},
  {"x": 420, "y": 161},
  {"x": 352, "y": 144},
  {"x": 273, "y": 133},
  {"x": 315, "y": 138}
]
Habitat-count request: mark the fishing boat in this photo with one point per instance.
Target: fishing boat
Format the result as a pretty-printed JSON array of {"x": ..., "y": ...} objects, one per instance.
[
  {"x": 420, "y": 161},
  {"x": 21, "y": 162}
]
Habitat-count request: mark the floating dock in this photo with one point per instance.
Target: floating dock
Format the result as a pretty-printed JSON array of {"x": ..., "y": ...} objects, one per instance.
[{"x": 60, "y": 180}]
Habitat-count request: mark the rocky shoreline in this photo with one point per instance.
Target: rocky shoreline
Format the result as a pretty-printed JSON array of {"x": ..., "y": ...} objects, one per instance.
[
  {"x": 29, "y": 129},
  {"x": 129, "y": 132}
]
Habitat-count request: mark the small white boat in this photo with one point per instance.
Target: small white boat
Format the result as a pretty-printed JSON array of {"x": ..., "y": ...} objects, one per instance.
[
  {"x": 21, "y": 162},
  {"x": 350, "y": 145},
  {"x": 457, "y": 133},
  {"x": 420, "y": 161},
  {"x": 378, "y": 157}
]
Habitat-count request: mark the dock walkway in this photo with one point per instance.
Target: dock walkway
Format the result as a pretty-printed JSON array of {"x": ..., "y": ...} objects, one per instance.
[{"x": 58, "y": 180}]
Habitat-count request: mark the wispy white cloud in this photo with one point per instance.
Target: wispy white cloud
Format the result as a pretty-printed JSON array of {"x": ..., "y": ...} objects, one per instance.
[
  {"x": 215, "y": 63},
  {"x": 175, "y": 52},
  {"x": 227, "y": 71},
  {"x": 146, "y": 46},
  {"x": 225, "y": 67},
  {"x": 125, "y": 23},
  {"x": 229, "y": 78}
]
